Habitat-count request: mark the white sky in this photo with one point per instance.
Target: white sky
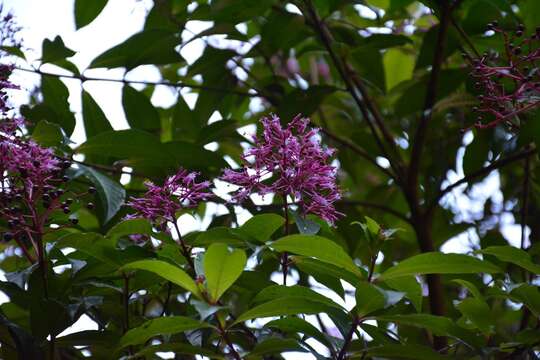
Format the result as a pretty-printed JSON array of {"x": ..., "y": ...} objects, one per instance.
[{"x": 120, "y": 19}]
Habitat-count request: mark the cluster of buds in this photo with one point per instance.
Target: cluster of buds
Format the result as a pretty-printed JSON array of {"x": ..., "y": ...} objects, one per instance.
[
  {"x": 509, "y": 82},
  {"x": 32, "y": 182},
  {"x": 292, "y": 163}
]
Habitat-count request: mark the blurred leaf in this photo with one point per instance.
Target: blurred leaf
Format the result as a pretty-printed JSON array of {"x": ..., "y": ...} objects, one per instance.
[
  {"x": 55, "y": 97},
  {"x": 130, "y": 227},
  {"x": 140, "y": 112},
  {"x": 294, "y": 325},
  {"x": 405, "y": 351},
  {"x": 398, "y": 67},
  {"x": 222, "y": 268},
  {"x": 439, "y": 263},
  {"x": 276, "y": 346},
  {"x": 55, "y": 50},
  {"x": 478, "y": 312},
  {"x": 528, "y": 295},
  {"x": 95, "y": 121},
  {"x": 47, "y": 134},
  {"x": 87, "y": 10}
]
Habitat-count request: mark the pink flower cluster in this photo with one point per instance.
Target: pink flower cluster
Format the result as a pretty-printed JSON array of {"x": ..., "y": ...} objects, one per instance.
[
  {"x": 160, "y": 203},
  {"x": 289, "y": 162},
  {"x": 509, "y": 82}
]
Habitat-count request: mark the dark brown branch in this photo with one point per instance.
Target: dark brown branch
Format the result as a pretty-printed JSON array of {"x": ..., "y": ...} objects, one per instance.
[
  {"x": 179, "y": 85},
  {"x": 431, "y": 96},
  {"x": 344, "y": 72},
  {"x": 348, "y": 339},
  {"x": 484, "y": 172}
]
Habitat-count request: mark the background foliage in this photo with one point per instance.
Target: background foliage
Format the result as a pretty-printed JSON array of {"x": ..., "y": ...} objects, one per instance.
[{"x": 387, "y": 84}]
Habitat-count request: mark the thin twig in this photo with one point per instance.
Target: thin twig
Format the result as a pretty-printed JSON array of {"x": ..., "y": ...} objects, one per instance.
[
  {"x": 483, "y": 172},
  {"x": 348, "y": 339},
  {"x": 84, "y": 78}
]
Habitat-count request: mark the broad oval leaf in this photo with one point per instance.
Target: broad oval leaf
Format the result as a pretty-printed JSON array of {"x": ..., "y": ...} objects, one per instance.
[
  {"x": 318, "y": 247},
  {"x": 284, "y": 306},
  {"x": 222, "y": 268},
  {"x": 370, "y": 298},
  {"x": 439, "y": 263},
  {"x": 261, "y": 227},
  {"x": 513, "y": 255},
  {"x": 167, "y": 271},
  {"x": 87, "y": 10},
  {"x": 159, "y": 326},
  {"x": 279, "y": 291}
]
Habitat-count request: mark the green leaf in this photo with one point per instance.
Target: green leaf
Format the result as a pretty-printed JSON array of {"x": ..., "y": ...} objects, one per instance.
[
  {"x": 279, "y": 291},
  {"x": 410, "y": 286},
  {"x": 95, "y": 121},
  {"x": 283, "y": 306},
  {"x": 297, "y": 325},
  {"x": 87, "y": 10},
  {"x": 370, "y": 298},
  {"x": 222, "y": 268},
  {"x": 276, "y": 346},
  {"x": 55, "y": 50},
  {"x": 167, "y": 271},
  {"x": 528, "y": 295},
  {"x": 177, "y": 348},
  {"x": 47, "y": 134},
  {"x": 439, "y": 263},
  {"x": 316, "y": 267},
  {"x": 261, "y": 227},
  {"x": 129, "y": 227},
  {"x": 471, "y": 287},
  {"x": 111, "y": 193},
  {"x": 304, "y": 225},
  {"x": 13, "y": 50},
  {"x": 140, "y": 112},
  {"x": 478, "y": 312},
  {"x": 160, "y": 326},
  {"x": 155, "y": 47},
  {"x": 318, "y": 247},
  {"x": 404, "y": 351},
  {"x": 55, "y": 97},
  {"x": 92, "y": 244},
  {"x": 513, "y": 255},
  {"x": 439, "y": 325}
]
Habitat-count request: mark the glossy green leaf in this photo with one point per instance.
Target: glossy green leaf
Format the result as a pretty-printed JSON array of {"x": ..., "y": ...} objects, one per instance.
[
  {"x": 318, "y": 247},
  {"x": 159, "y": 326},
  {"x": 130, "y": 227},
  {"x": 370, "y": 298},
  {"x": 276, "y": 346},
  {"x": 111, "y": 193},
  {"x": 405, "y": 351},
  {"x": 297, "y": 325},
  {"x": 528, "y": 295},
  {"x": 410, "y": 286},
  {"x": 261, "y": 227},
  {"x": 167, "y": 271},
  {"x": 279, "y": 291},
  {"x": 47, "y": 134},
  {"x": 222, "y": 268},
  {"x": 282, "y": 307},
  {"x": 513, "y": 255},
  {"x": 439, "y": 263}
]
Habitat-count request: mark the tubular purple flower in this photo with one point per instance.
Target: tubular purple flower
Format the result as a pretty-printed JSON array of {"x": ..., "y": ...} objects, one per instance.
[
  {"x": 296, "y": 165},
  {"x": 160, "y": 203}
]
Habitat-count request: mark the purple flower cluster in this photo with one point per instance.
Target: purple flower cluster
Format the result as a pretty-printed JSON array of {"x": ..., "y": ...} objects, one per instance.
[
  {"x": 292, "y": 163},
  {"x": 509, "y": 82},
  {"x": 160, "y": 203}
]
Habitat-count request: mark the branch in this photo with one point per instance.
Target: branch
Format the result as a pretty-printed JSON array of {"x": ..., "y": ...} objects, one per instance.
[
  {"x": 343, "y": 70},
  {"x": 483, "y": 172},
  {"x": 348, "y": 339},
  {"x": 431, "y": 96},
  {"x": 179, "y": 85}
]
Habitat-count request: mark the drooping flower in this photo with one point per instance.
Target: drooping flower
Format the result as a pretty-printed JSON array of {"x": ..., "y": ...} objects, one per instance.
[
  {"x": 292, "y": 163},
  {"x": 509, "y": 83},
  {"x": 160, "y": 203}
]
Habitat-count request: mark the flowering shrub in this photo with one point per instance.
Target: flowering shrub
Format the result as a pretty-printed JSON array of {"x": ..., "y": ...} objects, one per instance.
[{"x": 143, "y": 242}]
